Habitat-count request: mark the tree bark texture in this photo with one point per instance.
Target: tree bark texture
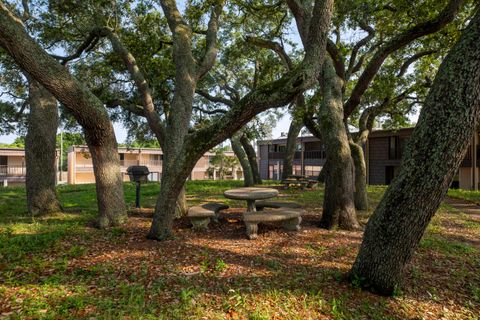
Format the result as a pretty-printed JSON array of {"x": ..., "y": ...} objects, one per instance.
[
  {"x": 181, "y": 208},
  {"x": 434, "y": 152},
  {"x": 252, "y": 159},
  {"x": 243, "y": 159},
  {"x": 293, "y": 131},
  {"x": 322, "y": 175},
  {"x": 360, "y": 168},
  {"x": 87, "y": 109},
  {"x": 338, "y": 204},
  {"x": 40, "y": 151}
]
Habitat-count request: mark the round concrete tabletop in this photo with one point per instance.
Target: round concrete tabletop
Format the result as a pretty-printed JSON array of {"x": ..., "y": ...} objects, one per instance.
[{"x": 250, "y": 193}]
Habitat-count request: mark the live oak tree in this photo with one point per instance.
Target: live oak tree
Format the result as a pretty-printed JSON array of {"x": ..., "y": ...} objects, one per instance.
[
  {"x": 31, "y": 108},
  {"x": 85, "y": 107},
  {"x": 434, "y": 152},
  {"x": 183, "y": 144},
  {"x": 349, "y": 83}
]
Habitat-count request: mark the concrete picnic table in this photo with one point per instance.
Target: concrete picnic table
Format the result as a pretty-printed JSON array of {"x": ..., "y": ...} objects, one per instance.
[{"x": 251, "y": 194}]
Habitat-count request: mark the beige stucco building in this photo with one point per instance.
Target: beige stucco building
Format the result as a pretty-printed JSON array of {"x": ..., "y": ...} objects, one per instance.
[
  {"x": 12, "y": 166},
  {"x": 80, "y": 167}
]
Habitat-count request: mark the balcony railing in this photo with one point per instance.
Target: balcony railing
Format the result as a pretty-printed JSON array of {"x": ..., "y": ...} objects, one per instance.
[
  {"x": 151, "y": 164},
  {"x": 313, "y": 154},
  {"x": 12, "y": 171},
  {"x": 148, "y": 163}
]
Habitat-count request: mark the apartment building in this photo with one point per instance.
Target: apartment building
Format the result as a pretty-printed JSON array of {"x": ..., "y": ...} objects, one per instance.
[
  {"x": 383, "y": 155},
  {"x": 12, "y": 166},
  {"x": 80, "y": 166}
]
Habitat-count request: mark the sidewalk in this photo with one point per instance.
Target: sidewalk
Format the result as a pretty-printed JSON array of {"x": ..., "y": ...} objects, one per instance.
[{"x": 465, "y": 206}]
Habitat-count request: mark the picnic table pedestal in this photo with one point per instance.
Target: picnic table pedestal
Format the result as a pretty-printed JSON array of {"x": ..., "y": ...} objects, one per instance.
[{"x": 251, "y": 195}]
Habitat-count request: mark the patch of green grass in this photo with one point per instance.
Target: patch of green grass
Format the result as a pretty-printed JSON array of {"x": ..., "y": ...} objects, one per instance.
[
  {"x": 446, "y": 246},
  {"x": 469, "y": 195}
]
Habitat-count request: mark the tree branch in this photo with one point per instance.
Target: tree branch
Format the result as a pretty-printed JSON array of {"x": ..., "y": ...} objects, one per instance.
[
  {"x": 397, "y": 42},
  {"x": 216, "y": 99},
  {"x": 211, "y": 42},
  {"x": 141, "y": 83},
  {"x": 88, "y": 44},
  {"x": 274, "y": 46},
  {"x": 363, "y": 42},
  {"x": 412, "y": 59}
]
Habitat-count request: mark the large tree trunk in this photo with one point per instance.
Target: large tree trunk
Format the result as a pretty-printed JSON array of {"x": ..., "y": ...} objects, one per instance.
[
  {"x": 242, "y": 158},
  {"x": 87, "y": 109},
  {"x": 108, "y": 181},
  {"x": 177, "y": 165},
  {"x": 361, "y": 200},
  {"x": 252, "y": 159},
  {"x": 338, "y": 204},
  {"x": 40, "y": 150},
  {"x": 181, "y": 207},
  {"x": 322, "y": 175},
  {"x": 295, "y": 126},
  {"x": 434, "y": 152}
]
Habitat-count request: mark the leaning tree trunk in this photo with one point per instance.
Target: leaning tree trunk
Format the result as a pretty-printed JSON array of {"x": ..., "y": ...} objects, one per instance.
[
  {"x": 242, "y": 158},
  {"x": 295, "y": 126},
  {"x": 434, "y": 152},
  {"x": 252, "y": 159},
  {"x": 338, "y": 204},
  {"x": 40, "y": 151},
  {"x": 181, "y": 207},
  {"x": 87, "y": 109},
  {"x": 322, "y": 175},
  {"x": 361, "y": 200}
]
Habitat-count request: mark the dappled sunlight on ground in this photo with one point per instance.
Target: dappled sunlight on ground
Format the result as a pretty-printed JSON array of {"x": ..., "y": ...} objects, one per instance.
[{"x": 219, "y": 274}]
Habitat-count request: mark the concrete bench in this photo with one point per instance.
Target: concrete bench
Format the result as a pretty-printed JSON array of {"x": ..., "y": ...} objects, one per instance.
[
  {"x": 290, "y": 218},
  {"x": 260, "y": 205},
  {"x": 200, "y": 215}
]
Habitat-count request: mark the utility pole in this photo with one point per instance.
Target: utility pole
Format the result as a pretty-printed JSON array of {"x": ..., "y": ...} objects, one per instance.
[{"x": 61, "y": 155}]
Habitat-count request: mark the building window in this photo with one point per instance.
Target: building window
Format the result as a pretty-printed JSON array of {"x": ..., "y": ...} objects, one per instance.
[
  {"x": 393, "y": 148},
  {"x": 3, "y": 160},
  {"x": 282, "y": 148},
  {"x": 154, "y": 157},
  {"x": 122, "y": 156}
]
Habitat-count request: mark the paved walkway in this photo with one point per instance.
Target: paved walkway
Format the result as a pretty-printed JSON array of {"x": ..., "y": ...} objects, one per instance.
[{"x": 470, "y": 208}]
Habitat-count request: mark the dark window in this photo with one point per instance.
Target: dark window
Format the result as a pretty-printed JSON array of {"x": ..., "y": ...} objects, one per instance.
[
  {"x": 3, "y": 161},
  {"x": 393, "y": 148},
  {"x": 282, "y": 148},
  {"x": 390, "y": 173},
  {"x": 122, "y": 156}
]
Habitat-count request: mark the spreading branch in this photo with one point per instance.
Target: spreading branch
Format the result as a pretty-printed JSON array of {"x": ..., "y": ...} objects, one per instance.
[
  {"x": 396, "y": 43},
  {"x": 211, "y": 43},
  {"x": 363, "y": 42},
  {"x": 215, "y": 99},
  {"x": 141, "y": 83},
  {"x": 274, "y": 46},
  {"x": 412, "y": 59}
]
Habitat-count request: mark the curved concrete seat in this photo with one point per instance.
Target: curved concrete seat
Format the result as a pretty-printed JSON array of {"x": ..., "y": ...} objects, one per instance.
[
  {"x": 276, "y": 205},
  {"x": 200, "y": 215},
  {"x": 290, "y": 218}
]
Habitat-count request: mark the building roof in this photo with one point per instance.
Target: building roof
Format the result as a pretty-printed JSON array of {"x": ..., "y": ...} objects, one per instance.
[{"x": 12, "y": 152}]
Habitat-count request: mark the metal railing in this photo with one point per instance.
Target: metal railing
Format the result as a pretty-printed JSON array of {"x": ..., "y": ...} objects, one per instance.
[
  {"x": 124, "y": 164},
  {"x": 12, "y": 171},
  {"x": 314, "y": 154}
]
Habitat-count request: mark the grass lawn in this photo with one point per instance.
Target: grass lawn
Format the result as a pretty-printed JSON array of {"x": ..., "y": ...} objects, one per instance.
[{"x": 59, "y": 267}]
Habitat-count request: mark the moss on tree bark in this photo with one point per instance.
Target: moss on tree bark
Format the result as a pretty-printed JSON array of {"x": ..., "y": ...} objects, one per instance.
[{"x": 434, "y": 152}]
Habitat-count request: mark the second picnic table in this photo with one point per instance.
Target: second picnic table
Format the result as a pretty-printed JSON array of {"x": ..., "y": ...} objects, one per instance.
[{"x": 251, "y": 194}]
